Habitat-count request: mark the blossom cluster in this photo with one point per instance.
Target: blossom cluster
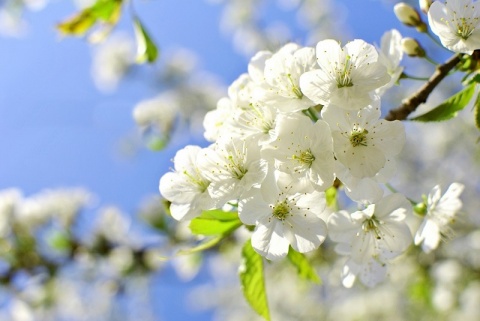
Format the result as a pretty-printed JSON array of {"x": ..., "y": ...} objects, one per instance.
[{"x": 300, "y": 121}]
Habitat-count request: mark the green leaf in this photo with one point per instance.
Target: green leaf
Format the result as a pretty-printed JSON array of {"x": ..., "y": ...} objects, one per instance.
[
  {"x": 219, "y": 215},
  {"x": 209, "y": 243},
  {"x": 107, "y": 11},
  {"x": 252, "y": 280},
  {"x": 215, "y": 222},
  {"x": 449, "y": 108},
  {"x": 304, "y": 269},
  {"x": 146, "y": 49},
  {"x": 477, "y": 111}
]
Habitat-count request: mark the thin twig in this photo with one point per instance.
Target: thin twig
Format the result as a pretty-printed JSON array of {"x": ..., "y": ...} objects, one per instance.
[{"x": 410, "y": 104}]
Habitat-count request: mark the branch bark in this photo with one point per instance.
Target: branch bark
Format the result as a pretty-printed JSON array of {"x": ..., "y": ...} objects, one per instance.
[{"x": 410, "y": 104}]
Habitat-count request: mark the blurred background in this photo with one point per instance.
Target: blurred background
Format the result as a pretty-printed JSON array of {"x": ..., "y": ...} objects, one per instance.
[{"x": 86, "y": 134}]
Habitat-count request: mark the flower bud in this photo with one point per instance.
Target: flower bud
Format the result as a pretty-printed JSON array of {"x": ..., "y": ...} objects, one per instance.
[
  {"x": 412, "y": 48},
  {"x": 409, "y": 16},
  {"x": 420, "y": 209},
  {"x": 425, "y": 5}
]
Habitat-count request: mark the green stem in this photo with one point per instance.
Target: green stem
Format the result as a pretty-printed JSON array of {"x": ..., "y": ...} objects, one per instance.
[
  {"x": 430, "y": 60},
  {"x": 405, "y": 76},
  {"x": 394, "y": 190}
]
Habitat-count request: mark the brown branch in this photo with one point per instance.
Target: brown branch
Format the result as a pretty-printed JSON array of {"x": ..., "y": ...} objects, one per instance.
[{"x": 410, "y": 104}]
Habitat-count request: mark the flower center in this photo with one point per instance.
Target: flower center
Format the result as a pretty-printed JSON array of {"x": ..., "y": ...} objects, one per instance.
[
  {"x": 372, "y": 225},
  {"x": 359, "y": 137},
  {"x": 306, "y": 157},
  {"x": 295, "y": 88},
  {"x": 462, "y": 26},
  {"x": 344, "y": 73},
  {"x": 197, "y": 180},
  {"x": 281, "y": 210},
  {"x": 236, "y": 168}
]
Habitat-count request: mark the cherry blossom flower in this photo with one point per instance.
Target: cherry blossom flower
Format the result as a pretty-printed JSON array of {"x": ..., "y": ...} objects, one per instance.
[
  {"x": 456, "y": 23},
  {"x": 232, "y": 168},
  {"x": 361, "y": 141},
  {"x": 440, "y": 212},
  {"x": 282, "y": 74},
  {"x": 347, "y": 76},
  {"x": 186, "y": 187},
  {"x": 390, "y": 55},
  {"x": 371, "y": 238},
  {"x": 283, "y": 218},
  {"x": 255, "y": 124},
  {"x": 304, "y": 150}
]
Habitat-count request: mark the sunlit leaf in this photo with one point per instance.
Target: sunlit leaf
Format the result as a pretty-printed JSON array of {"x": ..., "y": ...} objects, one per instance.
[
  {"x": 304, "y": 268},
  {"x": 449, "y": 108},
  {"x": 147, "y": 51},
  {"x": 252, "y": 280},
  {"x": 220, "y": 215},
  {"x": 205, "y": 245},
  {"x": 215, "y": 222},
  {"x": 77, "y": 25},
  {"x": 105, "y": 11}
]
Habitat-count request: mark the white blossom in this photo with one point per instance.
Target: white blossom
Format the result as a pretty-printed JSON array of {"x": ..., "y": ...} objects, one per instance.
[
  {"x": 390, "y": 55},
  {"x": 158, "y": 112},
  {"x": 347, "y": 77},
  {"x": 232, "y": 168},
  {"x": 186, "y": 187},
  {"x": 371, "y": 238},
  {"x": 303, "y": 149},
  {"x": 111, "y": 61},
  {"x": 283, "y": 218},
  {"x": 214, "y": 119},
  {"x": 456, "y": 23},
  {"x": 256, "y": 124},
  {"x": 441, "y": 210},
  {"x": 361, "y": 141},
  {"x": 282, "y": 75}
]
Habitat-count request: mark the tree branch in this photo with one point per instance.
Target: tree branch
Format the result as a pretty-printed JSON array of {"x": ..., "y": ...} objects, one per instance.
[{"x": 410, "y": 104}]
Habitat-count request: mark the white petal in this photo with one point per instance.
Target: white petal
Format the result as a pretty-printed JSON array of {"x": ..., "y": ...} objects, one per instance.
[
  {"x": 373, "y": 272},
  {"x": 341, "y": 228},
  {"x": 393, "y": 207},
  {"x": 268, "y": 240},
  {"x": 389, "y": 136},
  {"x": 252, "y": 208},
  {"x": 305, "y": 233},
  {"x": 363, "y": 161},
  {"x": 256, "y": 66}
]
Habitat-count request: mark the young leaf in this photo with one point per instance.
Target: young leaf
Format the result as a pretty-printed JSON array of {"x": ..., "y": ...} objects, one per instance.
[
  {"x": 209, "y": 243},
  {"x": 220, "y": 215},
  {"x": 449, "y": 108},
  {"x": 78, "y": 25},
  {"x": 252, "y": 280},
  {"x": 107, "y": 11},
  {"x": 146, "y": 49},
  {"x": 205, "y": 226},
  {"x": 304, "y": 269},
  {"x": 215, "y": 222}
]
